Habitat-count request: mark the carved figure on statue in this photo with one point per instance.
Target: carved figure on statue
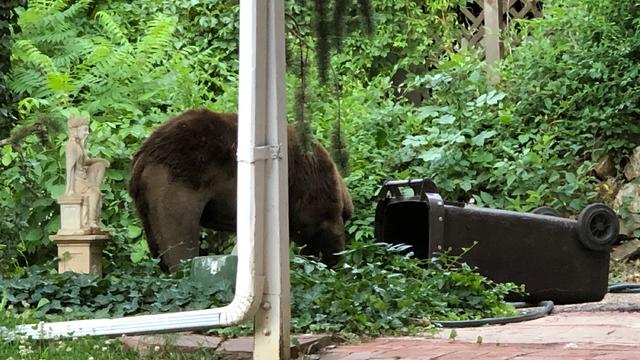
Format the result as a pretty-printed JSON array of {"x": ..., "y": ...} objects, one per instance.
[{"x": 84, "y": 175}]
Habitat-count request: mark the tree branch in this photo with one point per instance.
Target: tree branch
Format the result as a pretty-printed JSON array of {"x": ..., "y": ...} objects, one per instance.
[{"x": 22, "y": 132}]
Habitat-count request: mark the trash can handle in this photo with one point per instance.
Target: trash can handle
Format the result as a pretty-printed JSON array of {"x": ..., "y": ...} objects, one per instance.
[{"x": 419, "y": 186}]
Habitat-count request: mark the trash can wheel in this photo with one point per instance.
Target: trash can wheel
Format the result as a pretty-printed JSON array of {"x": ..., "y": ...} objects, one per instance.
[
  {"x": 598, "y": 227},
  {"x": 545, "y": 210}
]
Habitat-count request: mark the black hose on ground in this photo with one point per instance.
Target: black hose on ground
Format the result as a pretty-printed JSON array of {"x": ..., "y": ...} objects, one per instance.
[
  {"x": 624, "y": 288},
  {"x": 546, "y": 305}
]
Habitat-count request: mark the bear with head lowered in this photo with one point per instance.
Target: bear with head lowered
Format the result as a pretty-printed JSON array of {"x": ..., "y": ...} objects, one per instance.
[{"x": 183, "y": 178}]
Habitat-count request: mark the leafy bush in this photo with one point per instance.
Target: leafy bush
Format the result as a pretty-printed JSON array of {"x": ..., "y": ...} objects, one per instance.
[
  {"x": 137, "y": 290},
  {"x": 206, "y": 32},
  {"x": 574, "y": 78},
  {"x": 469, "y": 139},
  {"x": 409, "y": 34},
  {"x": 374, "y": 290},
  {"x": 377, "y": 290},
  {"x": 67, "y": 61},
  {"x": 8, "y": 18},
  {"x": 566, "y": 98}
]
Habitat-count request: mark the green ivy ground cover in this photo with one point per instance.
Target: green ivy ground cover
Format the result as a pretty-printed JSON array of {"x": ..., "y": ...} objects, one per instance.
[{"x": 376, "y": 289}]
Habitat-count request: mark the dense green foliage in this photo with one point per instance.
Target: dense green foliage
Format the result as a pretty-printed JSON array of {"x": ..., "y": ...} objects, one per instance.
[
  {"x": 584, "y": 78},
  {"x": 376, "y": 289},
  {"x": 567, "y": 96},
  {"x": 65, "y": 62},
  {"x": 8, "y": 17},
  {"x": 142, "y": 289}
]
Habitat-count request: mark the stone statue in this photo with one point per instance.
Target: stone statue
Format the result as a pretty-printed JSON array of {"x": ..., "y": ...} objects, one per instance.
[
  {"x": 80, "y": 239},
  {"x": 84, "y": 175}
]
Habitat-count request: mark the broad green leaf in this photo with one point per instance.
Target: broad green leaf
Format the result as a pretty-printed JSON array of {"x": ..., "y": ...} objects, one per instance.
[
  {"x": 6, "y": 159},
  {"x": 486, "y": 198},
  {"x": 33, "y": 235},
  {"x": 431, "y": 155},
  {"x": 482, "y": 137},
  {"x": 430, "y": 111},
  {"x": 446, "y": 119},
  {"x": 570, "y": 177},
  {"x": 42, "y": 302},
  {"x": 55, "y": 190},
  {"x": 134, "y": 231}
]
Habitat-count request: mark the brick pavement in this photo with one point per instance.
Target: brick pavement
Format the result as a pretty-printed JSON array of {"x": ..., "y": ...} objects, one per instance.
[
  {"x": 421, "y": 349},
  {"x": 572, "y": 332},
  {"x": 572, "y": 335}
]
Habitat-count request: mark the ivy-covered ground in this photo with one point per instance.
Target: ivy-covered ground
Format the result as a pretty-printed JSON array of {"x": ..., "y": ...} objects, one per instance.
[{"x": 376, "y": 289}]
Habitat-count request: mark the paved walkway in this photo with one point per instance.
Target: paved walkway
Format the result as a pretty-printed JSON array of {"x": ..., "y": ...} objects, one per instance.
[
  {"x": 421, "y": 349},
  {"x": 564, "y": 335},
  {"x": 582, "y": 331}
]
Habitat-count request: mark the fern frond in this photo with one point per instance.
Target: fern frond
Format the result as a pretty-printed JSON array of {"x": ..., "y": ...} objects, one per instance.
[
  {"x": 58, "y": 5},
  {"x": 91, "y": 81},
  {"x": 99, "y": 54},
  {"x": 31, "y": 17},
  {"x": 57, "y": 19},
  {"x": 112, "y": 28},
  {"x": 40, "y": 5},
  {"x": 24, "y": 80},
  {"x": 24, "y": 50},
  {"x": 55, "y": 22},
  {"x": 158, "y": 38},
  {"x": 74, "y": 10},
  {"x": 123, "y": 58},
  {"x": 60, "y": 82},
  {"x": 193, "y": 51},
  {"x": 80, "y": 49},
  {"x": 69, "y": 61},
  {"x": 60, "y": 36}
]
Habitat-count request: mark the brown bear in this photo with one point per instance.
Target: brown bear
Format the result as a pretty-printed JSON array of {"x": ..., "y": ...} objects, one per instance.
[{"x": 184, "y": 178}]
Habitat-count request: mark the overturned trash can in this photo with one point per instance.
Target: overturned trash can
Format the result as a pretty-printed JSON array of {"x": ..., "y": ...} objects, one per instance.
[{"x": 558, "y": 259}]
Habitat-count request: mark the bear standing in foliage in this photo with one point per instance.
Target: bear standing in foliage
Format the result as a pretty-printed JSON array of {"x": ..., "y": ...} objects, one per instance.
[{"x": 184, "y": 178}]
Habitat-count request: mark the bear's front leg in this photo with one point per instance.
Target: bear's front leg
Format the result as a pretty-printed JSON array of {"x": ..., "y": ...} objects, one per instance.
[{"x": 173, "y": 218}]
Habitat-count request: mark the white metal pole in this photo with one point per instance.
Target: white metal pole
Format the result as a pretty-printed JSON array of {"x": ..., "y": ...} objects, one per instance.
[{"x": 272, "y": 321}]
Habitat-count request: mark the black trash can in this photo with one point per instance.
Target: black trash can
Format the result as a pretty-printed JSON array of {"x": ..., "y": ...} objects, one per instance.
[{"x": 558, "y": 259}]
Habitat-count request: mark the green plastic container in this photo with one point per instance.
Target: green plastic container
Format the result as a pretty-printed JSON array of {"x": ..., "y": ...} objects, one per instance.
[{"x": 217, "y": 271}]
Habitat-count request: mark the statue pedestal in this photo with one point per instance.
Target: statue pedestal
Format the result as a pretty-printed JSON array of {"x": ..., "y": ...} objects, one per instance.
[
  {"x": 79, "y": 247},
  {"x": 80, "y": 253},
  {"x": 72, "y": 220}
]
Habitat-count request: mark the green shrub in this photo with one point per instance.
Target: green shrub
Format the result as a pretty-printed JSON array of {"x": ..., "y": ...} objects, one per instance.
[
  {"x": 375, "y": 289},
  {"x": 567, "y": 97},
  {"x": 68, "y": 60},
  {"x": 469, "y": 139},
  {"x": 378, "y": 290},
  {"x": 575, "y": 78},
  {"x": 139, "y": 289},
  {"x": 8, "y": 113}
]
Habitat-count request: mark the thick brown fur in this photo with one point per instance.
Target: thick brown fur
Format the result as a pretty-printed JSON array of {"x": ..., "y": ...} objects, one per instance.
[{"x": 184, "y": 178}]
